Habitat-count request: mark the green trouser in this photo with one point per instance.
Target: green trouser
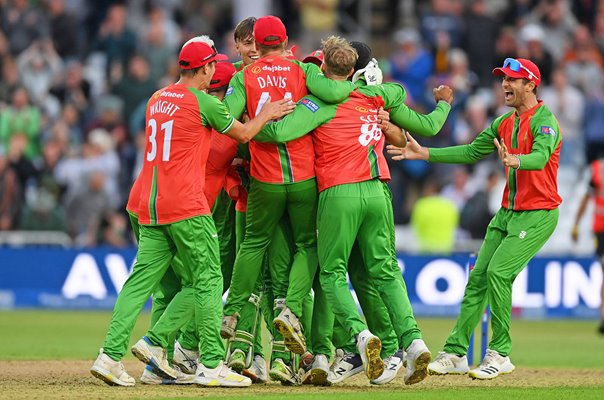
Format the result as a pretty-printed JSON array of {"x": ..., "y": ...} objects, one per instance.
[
  {"x": 374, "y": 310},
  {"x": 512, "y": 240},
  {"x": 168, "y": 287},
  {"x": 362, "y": 212},
  {"x": 195, "y": 242},
  {"x": 322, "y": 325},
  {"x": 224, "y": 217},
  {"x": 267, "y": 203}
]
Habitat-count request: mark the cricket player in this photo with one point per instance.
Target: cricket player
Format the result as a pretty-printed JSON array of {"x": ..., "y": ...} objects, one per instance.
[
  {"x": 354, "y": 200},
  {"x": 595, "y": 191},
  {"x": 528, "y": 141},
  {"x": 174, "y": 217},
  {"x": 283, "y": 178}
]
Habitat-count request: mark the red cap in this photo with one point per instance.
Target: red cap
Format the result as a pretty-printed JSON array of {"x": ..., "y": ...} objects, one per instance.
[
  {"x": 195, "y": 54},
  {"x": 269, "y": 26},
  {"x": 223, "y": 74},
  {"x": 527, "y": 70},
  {"x": 316, "y": 57}
]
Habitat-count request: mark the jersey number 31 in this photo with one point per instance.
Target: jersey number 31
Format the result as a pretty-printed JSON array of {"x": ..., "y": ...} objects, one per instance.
[{"x": 166, "y": 128}]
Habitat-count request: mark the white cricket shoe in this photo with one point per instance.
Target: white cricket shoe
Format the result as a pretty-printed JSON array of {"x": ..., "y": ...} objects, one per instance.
[
  {"x": 257, "y": 371},
  {"x": 155, "y": 356},
  {"x": 344, "y": 366},
  {"x": 393, "y": 364},
  {"x": 289, "y": 326},
  {"x": 149, "y": 378},
  {"x": 220, "y": 376},
  {"x": 111, "y": 372},
  {"x": 492, "y": 366},
  {"x": 185, "y": 360},
  {"x": 418, "y": 358},
  {"x": 369, "y": 347},
  {"x": 447, "y": 363},
  {"x": 319, "y": 371}
]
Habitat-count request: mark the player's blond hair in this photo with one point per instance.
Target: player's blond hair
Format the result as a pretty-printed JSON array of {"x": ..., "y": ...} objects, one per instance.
[{"x": 339, "y": 56}]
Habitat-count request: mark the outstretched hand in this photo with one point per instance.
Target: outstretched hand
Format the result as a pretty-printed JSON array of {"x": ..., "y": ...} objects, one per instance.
[
  {"x": 508, "y": 160},
  {"x": 278, "y": 109},
  {"x": 412, "y": 151}
]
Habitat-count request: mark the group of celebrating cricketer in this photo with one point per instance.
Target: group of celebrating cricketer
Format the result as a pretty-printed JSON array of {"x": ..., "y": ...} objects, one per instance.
[{"x": 267, "y": 178}]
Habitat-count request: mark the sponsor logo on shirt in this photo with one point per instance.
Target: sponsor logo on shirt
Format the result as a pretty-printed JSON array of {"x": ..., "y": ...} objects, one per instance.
[
  {"x": 172, "y": 94},
  {"x": 361, "y": 109},
  {"x": 312, "y": 106},
  {"x": 548, "y": 130},
  {"x": 229, "y": 91},
  {"x": 522, "y": 234},
  {"x": 256, "y": 69},
  {"x": 274, "y": 68}
]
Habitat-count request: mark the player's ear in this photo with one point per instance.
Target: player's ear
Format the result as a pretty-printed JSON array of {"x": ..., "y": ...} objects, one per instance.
[{"x": 285, "y": 42}]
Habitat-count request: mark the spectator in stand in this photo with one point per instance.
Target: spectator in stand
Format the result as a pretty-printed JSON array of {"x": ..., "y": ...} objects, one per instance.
[
  {"x": 136, "y": 87},
  {"x": 39, "y": 66},
  {"x": 411, "y": 64},
  {"x": 583, "y": 40},
  {"x": 480, "y": 33},
  {"x": 22, "y": 117},
  {"x": 64, "y": 30},
  {"x": 319, "y": 20},
  {"x": 87, "y": 209},
  {"x": 458, "y": 190},
  {"x": 441, "y": 17},
  {"x": 531, "y": 38},
  {"x": 584, "y": 72},
  {"x": 9, "y": 82},
  {"x": 506, "y": 45},
  {"x": 21, "y": 23},
  {"x": 23, "y": 167},
  {"x": 45, "y": 171},
  {"x": 115, "y": 39},
  {"x": 44, "y": 214},
  {"x": 558, "y": 23},
  {"x": 434, "y": 220},
  {"x": 98, "y": 154},
  {"x": 476, "y": 212},
  {"x": 475, "y": 119},
  {"x": 73, "y": 88},
  {"x": 517, "y": 12},
  {"x": 158, "y": 52},
  {"x": 10, "y": 193},
  {"x": 568, "y": 104}
]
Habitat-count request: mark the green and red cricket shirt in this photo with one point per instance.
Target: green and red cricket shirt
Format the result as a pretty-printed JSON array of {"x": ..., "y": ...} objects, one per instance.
[
  {"x": 348, "y": 142},
  {"x": 272, "y": 78},
  {"x": 179, "y": 122},
  {"x": 535, "y": 137}
]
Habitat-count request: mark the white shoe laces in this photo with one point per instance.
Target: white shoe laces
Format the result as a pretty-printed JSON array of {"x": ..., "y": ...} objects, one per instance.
[
  {"x": 444, "y": 360},
  {"x": 489, "y": 359}
]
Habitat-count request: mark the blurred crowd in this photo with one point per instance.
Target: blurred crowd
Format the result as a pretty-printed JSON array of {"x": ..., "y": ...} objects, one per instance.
[{"x": 76, "y": 74}]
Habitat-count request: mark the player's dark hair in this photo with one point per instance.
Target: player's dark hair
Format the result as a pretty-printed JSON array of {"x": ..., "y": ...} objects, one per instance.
[
  {"x": 364, "y": 52},
  {"x": 244, "y": 29}
]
